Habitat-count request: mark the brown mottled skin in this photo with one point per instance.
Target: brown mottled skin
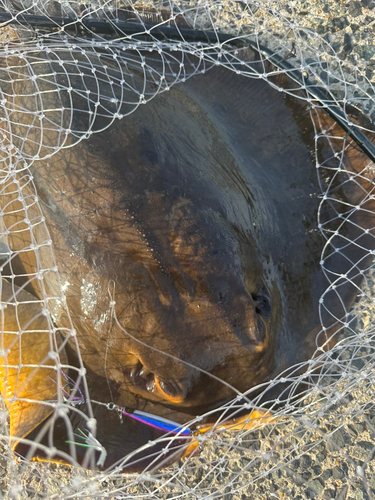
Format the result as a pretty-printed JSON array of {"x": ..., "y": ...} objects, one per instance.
[{"x": 197, "y": 216}]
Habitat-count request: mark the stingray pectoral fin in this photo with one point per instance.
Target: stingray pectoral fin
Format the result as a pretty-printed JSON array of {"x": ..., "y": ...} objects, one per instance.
[
  {"x": 253, "y": 420},
  {"x": 30, "y": 357}
]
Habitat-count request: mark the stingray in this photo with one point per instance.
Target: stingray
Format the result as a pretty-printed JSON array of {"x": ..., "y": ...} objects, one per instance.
[{"x": 187, "y": 240}]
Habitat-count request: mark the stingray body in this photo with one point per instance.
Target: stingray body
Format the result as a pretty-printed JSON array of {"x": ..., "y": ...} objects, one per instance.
[{"x": 186, "y": 239}]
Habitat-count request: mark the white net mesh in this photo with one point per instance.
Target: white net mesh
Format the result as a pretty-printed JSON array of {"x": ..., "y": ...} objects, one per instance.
[{"x": 246, "y": 192}]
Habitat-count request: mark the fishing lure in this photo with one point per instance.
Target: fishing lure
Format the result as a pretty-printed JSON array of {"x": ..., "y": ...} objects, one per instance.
[
  {"x": 161, "y": 423},
  {"x": 91, "y": 442},
  {"x": 164, "y": 424},
  {"x": 149, "y": 419}
]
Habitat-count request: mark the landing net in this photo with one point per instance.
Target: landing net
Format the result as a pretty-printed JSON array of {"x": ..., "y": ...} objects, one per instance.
[{"x": 64, "y": 63}]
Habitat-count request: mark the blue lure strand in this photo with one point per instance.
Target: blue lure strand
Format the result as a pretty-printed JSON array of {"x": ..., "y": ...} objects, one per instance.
[{"x": 160, "y": 423}]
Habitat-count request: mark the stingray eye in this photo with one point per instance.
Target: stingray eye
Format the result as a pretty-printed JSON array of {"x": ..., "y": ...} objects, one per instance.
[{"x": 262, "y": 303}]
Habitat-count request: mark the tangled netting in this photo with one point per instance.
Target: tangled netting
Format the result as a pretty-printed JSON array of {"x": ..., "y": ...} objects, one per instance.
[{"x": 67, "y": 71}]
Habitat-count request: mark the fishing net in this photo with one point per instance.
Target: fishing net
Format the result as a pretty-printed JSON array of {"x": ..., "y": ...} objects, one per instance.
[{"x": 73, "y": 69}]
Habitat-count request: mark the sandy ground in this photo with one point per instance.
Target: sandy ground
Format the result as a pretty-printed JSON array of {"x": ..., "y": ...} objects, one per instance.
[{"x": 296, "y": 459}]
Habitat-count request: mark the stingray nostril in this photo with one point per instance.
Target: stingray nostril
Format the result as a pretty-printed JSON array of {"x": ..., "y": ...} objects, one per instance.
[
  {"x": 170, "y": 390},
  {"x": 136, "y": 370},
  {"x": 142, "y": 377}
]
